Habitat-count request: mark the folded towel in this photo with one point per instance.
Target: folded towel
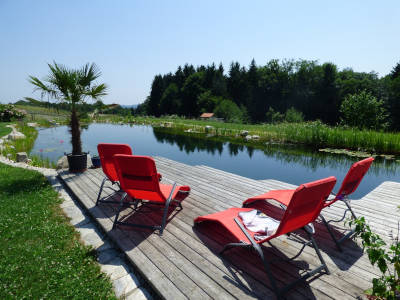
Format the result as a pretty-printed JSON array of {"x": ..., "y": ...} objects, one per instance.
[{"x": 258, "y": 222}]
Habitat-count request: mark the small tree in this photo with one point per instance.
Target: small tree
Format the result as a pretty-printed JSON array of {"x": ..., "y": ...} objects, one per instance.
[
  {"x": 363, "y": 111},
  {"x": 72, "y": 86},
  {"x": 229, "y": 111},
  {"x": 274, "y": 116},
  {"x": 294, "y": 116}
]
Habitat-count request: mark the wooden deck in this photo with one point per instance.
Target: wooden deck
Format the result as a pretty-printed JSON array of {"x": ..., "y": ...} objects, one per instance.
[{"x": 183, "y": 263}]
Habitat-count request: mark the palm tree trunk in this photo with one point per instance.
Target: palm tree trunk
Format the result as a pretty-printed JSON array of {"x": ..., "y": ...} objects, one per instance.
[{"x": 75, "y": 133}]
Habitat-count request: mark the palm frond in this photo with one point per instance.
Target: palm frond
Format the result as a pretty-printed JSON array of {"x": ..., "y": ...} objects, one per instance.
[
  {"x": 97, "y": 91},
  {"x": 88, "y": 74}
]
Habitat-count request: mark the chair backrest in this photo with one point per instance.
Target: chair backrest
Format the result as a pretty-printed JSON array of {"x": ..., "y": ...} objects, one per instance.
[
  {"x": 305, "y": 205},
  {"x": 106, "y": 153},
  {"x": 138, "y": 176},
  {"x": 353, "y": 177}
]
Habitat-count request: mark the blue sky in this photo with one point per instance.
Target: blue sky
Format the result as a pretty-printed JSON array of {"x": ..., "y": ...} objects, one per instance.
[{"x": 132, "y": 41}]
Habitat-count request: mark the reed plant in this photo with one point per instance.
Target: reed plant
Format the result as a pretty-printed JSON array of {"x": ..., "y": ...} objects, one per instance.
[{"x": 313, "y": 134}]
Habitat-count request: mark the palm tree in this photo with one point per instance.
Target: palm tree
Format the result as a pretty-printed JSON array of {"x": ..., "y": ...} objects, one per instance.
[{"x": 72, "y": 86}]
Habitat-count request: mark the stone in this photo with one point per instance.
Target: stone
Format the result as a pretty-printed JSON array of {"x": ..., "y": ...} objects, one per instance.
[
  {"x": 89, "y": 161},
  {"x": 248, "y": 137},
  {"x": 115, "y": 268},
  {"x": 92, "y": 239},
  {"x": 244, "y": 133},
  {"x": 106, "y": 256},
  {"x": 139, "y": 294},
  {"x": 168, "y": 124},
  {"x": 16, "y": 135},
  {"x": 62, "y": 163},
  {"x": 125, "y": 285},
  {"x": 32, "y": 124},
  {"x": 256, "y": 137},
  {"x": 22, "y": 157}
]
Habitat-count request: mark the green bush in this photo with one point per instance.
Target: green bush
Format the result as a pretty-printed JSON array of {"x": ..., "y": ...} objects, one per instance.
[
  {"x": 9, "y": 113},
  {"x": 294, "y": 116},
  {"x": 363, "y": 111},
  {"x": 387, "y": 259},
  {"x": 274, "y": 116},
  {"x": 229, "y": 111}
]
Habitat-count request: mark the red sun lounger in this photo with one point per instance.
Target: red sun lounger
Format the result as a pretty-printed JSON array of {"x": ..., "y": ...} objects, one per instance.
[
  {"x": 304, "y": 207},
  {"x": 139, "y": 179},
  {"x": 106, "y": 153},
  {"x": 349, "y": 185}
]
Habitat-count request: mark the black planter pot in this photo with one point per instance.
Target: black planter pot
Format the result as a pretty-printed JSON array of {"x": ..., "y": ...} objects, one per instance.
[
  {"x": 96, "y": 161},
  {"x": 77, "y": 163}
]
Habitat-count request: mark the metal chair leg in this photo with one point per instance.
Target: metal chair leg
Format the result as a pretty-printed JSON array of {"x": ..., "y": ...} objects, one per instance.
[
  {"x": 316, "y": 248},
  {"x": 119, "y": 210},
  {"x": 331, "y": 233},
  {"x": 101, "y": 189},
  {"x": 347, "y": 202},
  {"x": 164, "y": 219}
]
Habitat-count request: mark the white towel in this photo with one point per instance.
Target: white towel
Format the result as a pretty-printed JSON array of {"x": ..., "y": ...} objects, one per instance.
[{"x": 256, "y": 221}]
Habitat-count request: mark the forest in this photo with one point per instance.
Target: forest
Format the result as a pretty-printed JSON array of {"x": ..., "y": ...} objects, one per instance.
[{"x": 287, "y": 90}]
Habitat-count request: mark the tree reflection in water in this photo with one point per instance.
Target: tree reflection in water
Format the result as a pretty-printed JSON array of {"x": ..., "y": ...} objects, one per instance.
[{"x": 307, "y": 157}]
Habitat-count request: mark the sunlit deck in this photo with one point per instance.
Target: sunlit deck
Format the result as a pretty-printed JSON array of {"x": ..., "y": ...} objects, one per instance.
[{"x": 183, "y": 263}]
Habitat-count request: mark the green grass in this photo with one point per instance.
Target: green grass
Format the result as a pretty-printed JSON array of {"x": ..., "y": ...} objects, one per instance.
[
  {"x": 42, "y": 115},
  {"x": 313, "y": 134},
  {"x": 40, "y": 253},
  {"x": 3, "y": 129}
]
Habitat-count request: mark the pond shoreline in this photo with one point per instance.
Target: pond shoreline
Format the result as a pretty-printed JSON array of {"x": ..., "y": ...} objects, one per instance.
[{"x": 251, "y": 135}]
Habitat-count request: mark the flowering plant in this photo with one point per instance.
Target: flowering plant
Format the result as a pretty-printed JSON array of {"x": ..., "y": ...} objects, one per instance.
[{"x": 8, "y": 112}]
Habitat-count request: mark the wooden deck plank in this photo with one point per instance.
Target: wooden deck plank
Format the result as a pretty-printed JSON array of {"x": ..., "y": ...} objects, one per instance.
[
  {"x": 145, "y": 257},
  {"x": 343, "y": 263},
  {"x": 183, "y": 268},
  {"x": 262, "y": 292},
  {"x": 347, "y": 255},
  {"x": 183, "y": 262}
]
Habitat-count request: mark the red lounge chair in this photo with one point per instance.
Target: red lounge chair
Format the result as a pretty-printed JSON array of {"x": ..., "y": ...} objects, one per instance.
[
  {"x": 139, "y": 179},
  {"x": 305, "y": 205},
  {"x": 106, "y": 153},
  {"x": 349, "y": 185}
]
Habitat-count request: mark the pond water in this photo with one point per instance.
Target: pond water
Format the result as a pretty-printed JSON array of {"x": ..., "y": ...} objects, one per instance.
[{"x": 285, "y": 163}]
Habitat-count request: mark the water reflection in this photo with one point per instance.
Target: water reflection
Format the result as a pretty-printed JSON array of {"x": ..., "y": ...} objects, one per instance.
[
  {"x": 188, "y": 144},
  {"x": 290, "y": 154},
  {"x": 291, "y": 164}
]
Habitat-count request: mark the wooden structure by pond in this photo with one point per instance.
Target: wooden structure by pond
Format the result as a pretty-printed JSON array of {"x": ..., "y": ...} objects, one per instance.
[{"x": 183, "y": 263}]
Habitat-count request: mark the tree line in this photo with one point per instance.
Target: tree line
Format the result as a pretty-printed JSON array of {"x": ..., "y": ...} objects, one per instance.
[{"x": 258, "y": 93}]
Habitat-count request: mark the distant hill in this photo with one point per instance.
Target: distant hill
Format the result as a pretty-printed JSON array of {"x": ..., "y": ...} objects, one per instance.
[{"x": 130, "y": 106}]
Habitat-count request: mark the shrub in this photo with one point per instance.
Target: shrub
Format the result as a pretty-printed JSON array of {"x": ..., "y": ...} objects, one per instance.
[
  {"x": 8, "y": 113},
  {"x": 294, "y": 116},
  {"x": 228, "y": 110},
  {"x": 387, "y": 259},
  {"x": 363, "y": 111},
  {"x": 274, "y": 116}
]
